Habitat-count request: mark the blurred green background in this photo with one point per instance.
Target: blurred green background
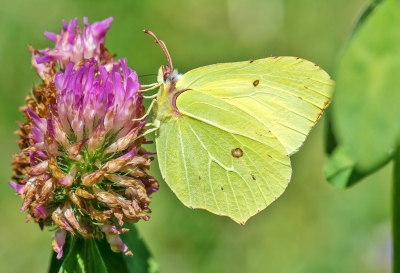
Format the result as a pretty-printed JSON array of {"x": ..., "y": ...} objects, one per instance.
[{"x": 311, "y": 228}]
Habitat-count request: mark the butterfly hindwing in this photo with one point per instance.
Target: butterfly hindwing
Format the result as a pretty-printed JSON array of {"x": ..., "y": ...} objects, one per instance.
[{"x": 219, "y": 158}]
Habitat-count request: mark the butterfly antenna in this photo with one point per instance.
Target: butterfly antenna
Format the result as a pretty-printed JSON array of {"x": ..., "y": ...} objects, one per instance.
[{"x": 163, "y": 47}]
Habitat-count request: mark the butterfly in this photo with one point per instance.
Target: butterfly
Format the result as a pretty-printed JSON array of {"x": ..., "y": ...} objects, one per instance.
[{"x": 225, "y": 132}]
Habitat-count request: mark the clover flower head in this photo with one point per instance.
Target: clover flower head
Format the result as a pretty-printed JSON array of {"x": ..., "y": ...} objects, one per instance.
[{"x": 82, "y": 167}]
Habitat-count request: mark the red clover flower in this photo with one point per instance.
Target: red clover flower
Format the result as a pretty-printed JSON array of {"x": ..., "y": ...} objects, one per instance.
[{"x": 82, "y": 167}]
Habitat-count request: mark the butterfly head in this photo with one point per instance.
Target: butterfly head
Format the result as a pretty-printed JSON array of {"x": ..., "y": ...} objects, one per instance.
[
  {"x": 167, "y": 80},
  {"x": 167, "y": 75}
]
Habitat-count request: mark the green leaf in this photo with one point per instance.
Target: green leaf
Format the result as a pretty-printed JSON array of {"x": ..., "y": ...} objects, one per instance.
[
  {"x": 83, "y": 257},
  {"x": 114, "y": 262},
  {"x": 330, "y": 138},
  {"x": 341, "y": 169},
  {"x": 90, "y": 255},
  {"x": 365, "y": 111},
  {"x": 142, "y": 260},
  {"x": 368, "y": 10}
]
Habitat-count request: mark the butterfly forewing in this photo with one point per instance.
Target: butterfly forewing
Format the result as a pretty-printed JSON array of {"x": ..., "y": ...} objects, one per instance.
[{"x": 286, "y": 94}]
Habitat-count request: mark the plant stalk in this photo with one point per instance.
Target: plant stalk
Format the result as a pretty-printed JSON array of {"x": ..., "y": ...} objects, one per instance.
[{"x": 396, "y": 212}]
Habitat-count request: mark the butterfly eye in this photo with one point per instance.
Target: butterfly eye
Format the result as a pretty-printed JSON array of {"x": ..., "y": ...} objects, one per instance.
[{"x": 174, "y": 77}]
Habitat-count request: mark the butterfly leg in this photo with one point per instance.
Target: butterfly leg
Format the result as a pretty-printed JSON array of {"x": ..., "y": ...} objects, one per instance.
[
  {"x": 150, "y": 87},
  {"x": 145, "y": 116},
  {"x": 148, "y": 131},
  {"x": 150, "y": 97}
]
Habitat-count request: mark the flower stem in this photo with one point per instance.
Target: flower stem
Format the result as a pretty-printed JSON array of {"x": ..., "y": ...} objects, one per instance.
[{"x": 396, "y": 212}]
